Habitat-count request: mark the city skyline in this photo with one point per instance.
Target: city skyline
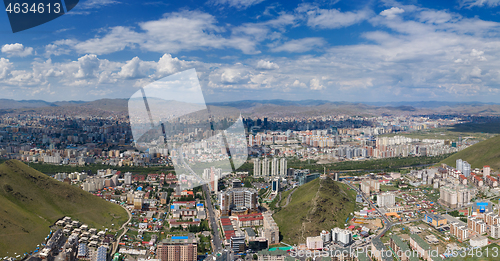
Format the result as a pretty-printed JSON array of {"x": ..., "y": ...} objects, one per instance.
[{"x": 370, "y": 51}]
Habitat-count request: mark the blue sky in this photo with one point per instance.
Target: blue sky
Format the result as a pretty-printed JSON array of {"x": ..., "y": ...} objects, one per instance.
[{"x": 261, "y": 49}]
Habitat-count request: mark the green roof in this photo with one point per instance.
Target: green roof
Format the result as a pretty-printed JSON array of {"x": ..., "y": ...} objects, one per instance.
[
  {"x": 403, "y": 247},
  {"x": 280, "y": 248},
  {"x": 420, "y": 242},
  {"x": 276, "y": 252}
]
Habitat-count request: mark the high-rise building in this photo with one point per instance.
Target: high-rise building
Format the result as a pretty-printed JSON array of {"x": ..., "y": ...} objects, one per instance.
[
  {"x": 459, "y": 165},
  {"x": 275, "y": 185},
  {"x": 274, "y": 167},
  {"x": 283, "y": 167},
  {"x": 495, "y": 231},
  {"x": 128, "y": 178},
  {"x": 271, "y": 230},
  {"x": 455, "y": 196},
  {"x": 238, "y": 198},
  {"x": 386, "y": 200},
  {"x": 256, "y": 167},
  {"x": 466, "y": 168},
  {"x": 265, "y": 167},
  {"x": 486, "y": 170},
  {"x": 345, "y": 237},
  {"x": 178, "y": 248}
]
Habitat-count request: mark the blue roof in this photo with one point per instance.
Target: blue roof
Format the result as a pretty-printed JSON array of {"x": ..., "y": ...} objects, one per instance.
[{"x": 180, "y": 237}]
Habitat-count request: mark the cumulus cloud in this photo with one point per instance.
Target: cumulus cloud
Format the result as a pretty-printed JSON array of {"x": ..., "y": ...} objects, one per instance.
[
  {"x": 136, "y": 68},
  {"x": 5, "y": 66},
  {"x": 392, "y": 12},
  {"x": 316, "y": 85},
  {"x": 233, "y": 76},
  {"x": 16, "y": 49},
  {"x": 267, "y": 65}
]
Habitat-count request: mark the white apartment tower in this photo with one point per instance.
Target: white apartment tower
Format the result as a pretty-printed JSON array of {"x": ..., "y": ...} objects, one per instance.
[
  {"x": 274, "y": 167},
  {"x": 283, "y": 167},
  {"x": 256, "y": 167}
]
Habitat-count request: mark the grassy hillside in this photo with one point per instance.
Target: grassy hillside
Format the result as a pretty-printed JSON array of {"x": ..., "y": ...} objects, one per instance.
[
  {"x": 315, "y": 206},
  {"x": 30, "y": 202},
  {"x": 486, "y": 152}
]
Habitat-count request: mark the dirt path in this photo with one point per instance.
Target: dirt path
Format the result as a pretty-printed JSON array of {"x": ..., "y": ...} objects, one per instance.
[{"x": 313, "y": 209}]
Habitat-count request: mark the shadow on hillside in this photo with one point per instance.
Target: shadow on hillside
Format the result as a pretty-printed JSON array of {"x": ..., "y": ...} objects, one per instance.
[{"x": 487, "y": 127}]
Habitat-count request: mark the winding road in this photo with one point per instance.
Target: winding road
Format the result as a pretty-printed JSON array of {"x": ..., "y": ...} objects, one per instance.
[{"x": 125, "y": 229}]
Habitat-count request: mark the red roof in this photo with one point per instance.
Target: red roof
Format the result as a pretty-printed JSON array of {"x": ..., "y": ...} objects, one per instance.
[
  {"x": 250, "y": 215},
  {"x": 251, "y": 218},
  {"x": 184, "y": 202}
]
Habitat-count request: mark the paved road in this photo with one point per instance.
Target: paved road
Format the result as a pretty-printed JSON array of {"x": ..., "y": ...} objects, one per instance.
[
  {"x": 388, "y": 223},
  {"x": 289, "y": 197},
  {"x": 125, "y": 229},
  {"x": 213, "y": 222}
]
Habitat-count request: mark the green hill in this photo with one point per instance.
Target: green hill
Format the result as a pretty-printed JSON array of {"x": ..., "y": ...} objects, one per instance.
[
  {"x": 315, "y": 206},
  {"x": 30, "y": 202},
  {"x": 486, "y": 152}
]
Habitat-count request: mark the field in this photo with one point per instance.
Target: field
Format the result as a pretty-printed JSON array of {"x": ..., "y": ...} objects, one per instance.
[
  {"x": 30, "y": 202},
  {"x": 53, "y": 169},
  {"x": 477, "y": 131},
  {"x": 483, "y": 153},
  {"x": 373, "y": 165},
  {"x": 315, "y": 206}
]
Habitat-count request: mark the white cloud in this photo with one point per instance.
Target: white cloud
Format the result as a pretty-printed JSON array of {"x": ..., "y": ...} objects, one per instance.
[
  {"x": 5, "y": 67},
  {"x": 88, "y": 66},
  {"x": 117, "y": 39},
  {"x": 316, "y": 85},
  {"x": 332, "y": 18},
  {"x": 476, "y": 72},
  {"x": 297, "y": 83},
  {"x": 233, "y": 76},
  {"x": 299, "y": 45},
  {"x": 92, "y": 4},
  {"x": 479, "y": 3},
  {"x": 136, "y": 68},
  {"x": 239, "y": 4},
  {"x": 392, "y": 13},
  {"x": 16, "y": 49},
  {"x": 169, "y": 65},
  {"x": 267, "y": 65},
  {"x": 178, "y": 31}
]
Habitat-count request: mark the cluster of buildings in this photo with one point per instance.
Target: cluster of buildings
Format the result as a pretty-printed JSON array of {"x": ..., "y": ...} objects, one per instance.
[
  {"x": 278, "y": 167},
  {"x": 73, "y": 240}
]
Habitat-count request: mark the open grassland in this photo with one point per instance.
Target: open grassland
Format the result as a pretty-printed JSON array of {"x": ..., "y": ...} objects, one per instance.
[
  {"x": 486, "y": 152},
  {"x": 476, "y": 131}
]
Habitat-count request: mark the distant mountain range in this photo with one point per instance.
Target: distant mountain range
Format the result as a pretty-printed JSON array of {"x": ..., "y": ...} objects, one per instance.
[{"x": 260, "y": 108}]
